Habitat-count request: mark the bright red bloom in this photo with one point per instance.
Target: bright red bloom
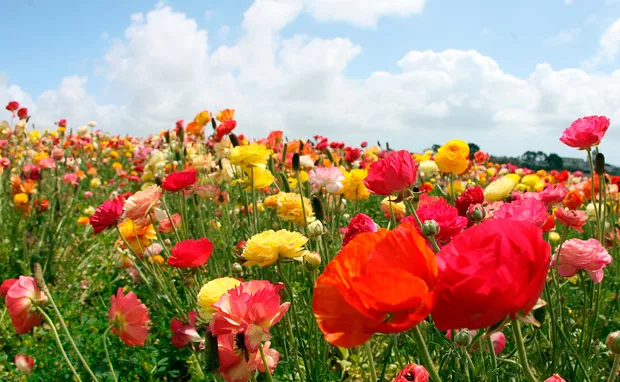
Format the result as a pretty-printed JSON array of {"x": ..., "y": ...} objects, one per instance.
[
  {"x": 224, "y": 128},
  {"x": 129, "y": 317},
  {"x": 445, "y": 215},
  {"x": 24, "y": 363},
  {"x": 184, "y": 333},
  {"x": 381, "y": 282},
  {"x": 394, "y": 173},
  {"x": 412, "y": 372},
  {"x": 22, "y": 113},
  {"x": 483, "y": 267},
  {"x": 107, "y": 214},
  {"x": 364, "y": 144},
  {"x": 191, "y": 253},
  {"x": 585, "y": 132},
  {"x": 473, "y": 195},
  {"x": 179, "y": 181},
  {"x": 6, "y": 284},
  {"x": 12, "y": 106},
  {"x": 481, "y": 157},
  {"x": 352, "y": 154},
  {"x": 359, "y": 224},
  {"x": 21, "y": 301}
]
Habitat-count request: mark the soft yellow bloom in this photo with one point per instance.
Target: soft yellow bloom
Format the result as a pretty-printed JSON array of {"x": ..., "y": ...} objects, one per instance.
[
  {"x": 491, "y": 171},
  {"x": 530, "y": 180},
  {"x": 34, "y": 136},
  {"x": 353, "y": 187},
  {"x": 399, "y": 209},
  {"x": 254, "y": 155},
  {"x": 138, "y": 237},
  {"x": 89, "y": 211},
  {"x": 255, "y": 177},
  {"x": 515, "y": 178},
  {"x": 428, "y": 169},
  {"x": 453, "y": 157},
  {"x": 458, "y": 186},
  {"x": 554, "y": 236},
  {"x": 289, "y": 208},
  {"x": 211, "y": 292},
  {"x": 95, "y": 183},
  {"x": 421, "y": 157},
  {"x": 267, "y": 247},
  {"x": 225, "y": 175},
  {"x": 223, "y": 148},
  {"x": 372, "y": 154},
  {"x": 292, "y": 180},
  {"x": 499, "y": 189}
]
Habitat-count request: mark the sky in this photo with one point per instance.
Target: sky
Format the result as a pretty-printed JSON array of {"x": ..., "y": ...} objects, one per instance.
[{"x": 506, "y": 75}]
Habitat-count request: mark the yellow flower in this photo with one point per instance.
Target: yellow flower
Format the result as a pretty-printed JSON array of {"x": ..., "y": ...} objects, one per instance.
[
  {"x": 254, "y": 155},
  {"x": 399, "y": 209},
  {"x": 353, "y": 187},
  {"x": 499, "y": 189},
  {"x": 211, "y": 292},
  {"x": 114, "y": 154},
  {"x": 421, "y": 157},
  {"x": 530, "y": 180},
  {"x": 95, "y": 183},
  {"x": 554, "y": 236},
  {"x": 453, "y": 157},
  {"x": 290, "y": 208},
  {"x": 39, "y": 156},
  {"x": 34, "y": 136},
  {"x": 226, "y": 115},
  {"x": 262, "y": 178},
  {"x": 458, "y": 186},
  {"x": 267, "y": 247},
  {"x": 372, "y": 154},
  {"x": 516, "y": 178},
  {"x": 137, "y": 237},
  {"x": 491, "y": 171},
  {"x": 202, "y": 118},
  {"x": 21, "y": 198}
]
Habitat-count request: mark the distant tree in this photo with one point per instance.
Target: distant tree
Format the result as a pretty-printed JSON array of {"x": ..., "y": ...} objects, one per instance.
[
  {"x": 473, "y": 148},
  {"x": 554, "y": 162}
]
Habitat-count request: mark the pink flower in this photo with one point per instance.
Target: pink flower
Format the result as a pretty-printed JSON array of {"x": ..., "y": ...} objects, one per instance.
[
  {"x": 70, "y": 179},
  {"x": 394, "y": 173},
  {"x": 360, "y": 223},
  {"x": 329, "y": 177},
  {"x": 21, "y": 301},
  {"x": 184, "y": 333},
  {"x": 88, "y": 194},
  {"x": 551, "y": 195},
  {"x": 585, "y": 132},
  {"x": 573, "y": 219},
  {"x": 6, "y": 285},
  {"x": 525, "y": 210},
  {"x": 237, "y": 364},
  {"x": 445, "y": 215},
  {"x": 499, "y": 342},
  {"x": 555, "y": 378},
  {"x": 107, "y": 215},
  {"x": 412, "y": 372},
  {"x": 142, "y": 202},
  {"x": 250, "y": 309},
  {"x": 5, "y": 162},
  {"x": 582, "y": 255},
  {"x": 207, "y": 191},
  {"x": 129, "y": 318},
  {"x": 167, "y": 226},
  {"x": 48, "y": 163},
  {"x": 24, "y": 363}
]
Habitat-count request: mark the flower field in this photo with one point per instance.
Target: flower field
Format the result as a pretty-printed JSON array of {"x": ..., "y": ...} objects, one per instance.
[{"x": 201, "y": 254}]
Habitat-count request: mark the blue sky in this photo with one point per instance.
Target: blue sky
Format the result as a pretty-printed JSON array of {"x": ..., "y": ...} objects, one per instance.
[{"x": 61, "y": 51}]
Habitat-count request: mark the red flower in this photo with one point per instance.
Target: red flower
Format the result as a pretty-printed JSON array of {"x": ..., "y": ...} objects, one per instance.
[
  {"x": 21, "y": 299},
  {"x": 412, "y": 372},
  {"x": 555, "y": 378},
  {"x": 352, "y": 154},
  {"x": 62, "y": 123},
  {"x": 481, "y": 157},
  {"x": 445, "y": 215},
  {"x": 473, "y": 195},
  {"x": 483, "y": 267},
  {"x": 359, "y": 224},
  {"x": 168, "y": 225},
  {"x": 179, "y": 181},
  {"x": 129, "y": 317},
  {"x": 184, "y": 333},
  {"x": 107, "y": 214},
  {"x": 6, "y": 285},
  {"x": 22, "y": 113},
  {"x": 190, "y": 253},
  {"x": 12, "y": 106},
  {"x": 381, "y": 282},
  {"x": 364, "y": 144},
  {"x": 394, "y": 173},
  {"x": 224, "y": 128},
  {"x": 585, "y": 132}
]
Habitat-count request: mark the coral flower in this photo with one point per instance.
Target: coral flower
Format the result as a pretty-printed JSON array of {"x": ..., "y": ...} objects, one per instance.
[
  {"x": 224, "y": 128},
  {"x": 412, "y": 372},
  {"x": 191, "y": 253},
  {"x": 211, "y": 292},
  {"x": 571, "y": 218},
  {"x": 445, "y": 215},
  {"x": 184, "y": 333},
  {"x": 139, "y": 205},
  {"x": 483, "y": 267},
  {"x": 24, "y": 363},
  {"x": 329, "y": 177},
  {"x": 481, "y": 157},
  {"x": 498, "y": 339},
  {"x": 107, "y": 214},
  {"x": 129, "y": 318},
  {"x": 21, "y": 301},
  {"x": 178, "y": 181},
  {"x": 168, "y": 225},
  {"x": 526, "y": 210},
  {"x": 250, "y": 309},
  {"x": 254, "y": 155},
  {"x": 380, "y": 282},
  {"x": 471, "y": 196},
  {"x": 359, "y": 224},
  {"x": 237, "y": 364},
  {"x": 585, "y": 132},
  {"x": 267, "y": 247},
  {"x": 394, "y": 173},
  {"x": 453, "y": 157},
  {"x": 587, "y": 255}
]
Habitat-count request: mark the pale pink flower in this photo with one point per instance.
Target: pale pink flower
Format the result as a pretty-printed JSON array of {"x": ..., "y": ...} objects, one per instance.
[
  {"x": 142, "y": 202},
  {"x": 577, "y": 255},
  {"x": 499, "y": 342},
  {"x": 70, "y": 179},
  {"x": 48, "y": 163},
  {"x": 167, "y": 225},
  {"x": 573, "y": 219},
  {"x": 329, "y": 177}
]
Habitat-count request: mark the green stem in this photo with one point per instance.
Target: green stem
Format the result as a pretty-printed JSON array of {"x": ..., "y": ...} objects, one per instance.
[
  {"x": 267, "y": 371},
  {"x": 107, "y": 354},
  {"x": 62, "y": 350},
  {"x": 516, "y": 330},
  {"x": 493, "y": 358},
  {"x": 426, "y": 357},
  {"x": 371, "y": 361},
  {"x": 614, "y": 369}
]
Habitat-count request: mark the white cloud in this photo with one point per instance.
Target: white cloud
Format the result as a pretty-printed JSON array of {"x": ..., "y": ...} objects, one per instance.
[
  {"x": 562, "y": 37},
  {"x": 164, "y": 69},
  {"x": 364, "y": 13},
  {"x": 569, "y": 2},
  {"x": 608, "y": 46}
]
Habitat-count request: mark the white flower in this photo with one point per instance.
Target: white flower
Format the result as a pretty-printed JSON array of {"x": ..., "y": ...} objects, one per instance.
[
  {"x": 92, "y": 124},
  {"x": 306, "y": 161},
  {"x": 428, "y": 169}
]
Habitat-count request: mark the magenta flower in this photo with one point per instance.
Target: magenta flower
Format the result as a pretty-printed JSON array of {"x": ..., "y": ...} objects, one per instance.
[{"x": 585, "y": 132}]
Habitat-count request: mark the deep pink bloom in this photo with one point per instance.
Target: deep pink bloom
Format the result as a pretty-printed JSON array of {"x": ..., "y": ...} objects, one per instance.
[
  {"x": 6, "y": 284},
  {"x": 129, "y": 317},
  {"x": 473, "y": 195},
  {"x": 499, "y": 342},
  {"x": 571, "y": 218},
  {"x": 24, "y": 363},
  {"x": 445, "y": 215},
  {"x": 525, "y": 210},
  {"x": 251, "y": 308},
  {"x": 184, "y": 333},
  {"x": 190, "y": 253},
  {"x": 585, "y": 132},
  {"x": 178, "y": 181},
  {"x": 412, "y": 372},
  {"x": 394, "y": 173},
  {"x": 21, "y": 301},
  {"x": 62, "y": 123},
  {"x": 166, "y": 225},
  {"x": 360, "y": 223},
  {"x": 555, "y": 378},
  {"x": 582, "y": 255},
  {"x": 551, "y": 195},
  {"x": 107, "y": 214}
]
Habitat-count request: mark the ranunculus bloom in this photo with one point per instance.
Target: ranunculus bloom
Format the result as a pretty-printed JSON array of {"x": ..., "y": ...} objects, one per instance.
[
  {"x": 22, "y": 113},
  {"x": 178, "y": 181},
  {"x": 573, "y": 200},
  {"x": 525, "y": 210},
  {"x": 555, "y": 378},
  {"x": 481, "y": 157},
  {"x": 445, "y": 215},
  {"x": 211, "y": 292},
  {"x": 6, "y": 284},
  {"x": 381, "y": 282},
  {"x": 24, "y": 363},
  {"x": 12, "y": 106},
  {"x": 472, "y": 195},
  {"x": 168, "y": 225},
  {"x": 550, "y": 195},
  {"x": 237, "y": 364},
  {"x": 142, "y": 202},
  {"x": 329, "y": 177},
  {"x": 453, "y": 157},
  {"x": 585, "y": 132},
  {"x": 498, "y": 339},
  {"x": 483, "y": 267},
  {"x": 184, "y": 333},
  {"x": 412, "y": 372},
  {"x": 359, "y": 224},
  {"x": 394, "y": 173},
  {"x": 571, "y": 218},
  {"x": 582, "y": 255},
  {"x": 21, "y": 301},
  {"x": 499, "y": 189},
  {"x": 224, "y": 128},
  {"x": 129, "y": 318},
  {"x": 250, "y": 309},
  {"x": 70, "y": 179},
  {"x": 190, "y": 253},
  {"x": 107, "y": 214}
]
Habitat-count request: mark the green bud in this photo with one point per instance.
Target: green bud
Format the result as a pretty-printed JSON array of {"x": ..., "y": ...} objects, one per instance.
[
  {"x": 430, "y": 228},
  {"x": 599, "y": 164},
  {"x": 296, "y": 165},
  {"x": 462, "y": 338}
]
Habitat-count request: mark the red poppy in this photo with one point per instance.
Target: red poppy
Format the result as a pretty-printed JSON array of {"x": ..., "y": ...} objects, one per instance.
[
  {"x": 179, "y": 181},
  {"x": 381, "y": 282},
  {"x": 6, "y": 284},
  {"x": 473, "y": 195},
  {"x": 12, "y": 106},
  {"x": 22, "y": 113},
  {"x": 483, "y": 267},
  {"x": 129, "y": 317},
  {"x": 395, "y": 172},
  {"x": 107, "y": 214},
  {"x": 190, "y": 253},
  {"x": 224, "y": 128},
  {"x": 21, "y": 301}
]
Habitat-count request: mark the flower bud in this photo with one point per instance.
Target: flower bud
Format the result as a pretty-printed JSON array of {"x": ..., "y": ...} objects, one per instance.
[
  {"x": 315, "y": 229},
  {"x": 613, "y": 342},
  {"x": 430, "y": 228},
  {"x": 296, "y": 165},
  {"x": 599, "y": 164},
  {"x": 233, "y": 139},
  {"x": 312, "y": 260},
  {"x": 237, "y": 268},
  {"x": 317, "y": 207},
  {"x": 462, "y": 338},
  {"x": 476, "y": 213},
  {"x": 346, "y": 216}
]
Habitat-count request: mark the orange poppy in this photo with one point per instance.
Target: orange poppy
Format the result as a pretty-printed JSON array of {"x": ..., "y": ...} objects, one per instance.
[{"x": 381, "y": 282}]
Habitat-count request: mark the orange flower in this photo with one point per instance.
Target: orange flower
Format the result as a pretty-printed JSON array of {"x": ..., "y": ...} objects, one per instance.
[
  {"x": 202, "y": 118},
  {"x": 573, "y": 200},
  {"x": 194, "y": 128},
  {"x": 381, "y": 282},
  {"x": 226, "y": 115},
  {"x": 83, "y": 220}
]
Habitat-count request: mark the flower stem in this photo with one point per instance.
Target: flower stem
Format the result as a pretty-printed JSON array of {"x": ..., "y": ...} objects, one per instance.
[
  {"x": 614, "y": 369},
  {"x": 516, "y": 331},
  {"x": 426, "y": 357},
  {"x": 107, "y": 355},
  {"x": 267, "y": 371},
  {"x": 493, "y": 358},
  {"x": 371, "y": 361},
  {"x": 62, "y": 350}
]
